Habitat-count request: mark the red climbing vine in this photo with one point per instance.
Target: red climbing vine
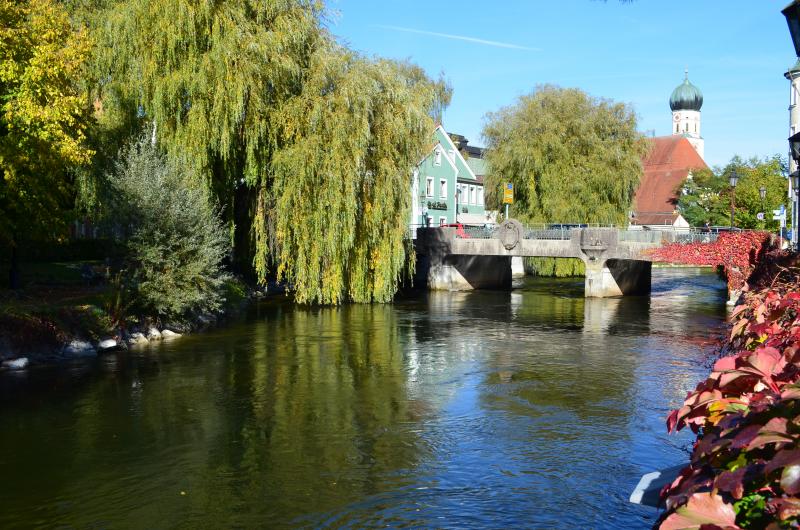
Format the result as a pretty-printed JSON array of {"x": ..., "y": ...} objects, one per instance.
[
  {"x": 745, "y": 465},
  {"x": 737, "y": 253}
]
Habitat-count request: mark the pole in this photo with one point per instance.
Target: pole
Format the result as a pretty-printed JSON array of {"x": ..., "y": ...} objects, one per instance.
[
  {"x": 733, "y": 202},
  {"x": 506, "y": 219},
  {"x": 795, "y": 223}
]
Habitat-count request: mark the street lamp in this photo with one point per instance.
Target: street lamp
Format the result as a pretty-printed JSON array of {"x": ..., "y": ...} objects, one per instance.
[
  {"x": 762, "y": 192},
  {"x": 423, "y": 209},
  {"x": 458, "y": 195},
  {"x": 733, "y": 179},
  {"x": 794, "y": 149},
  {"x": 792, "y": 14}
]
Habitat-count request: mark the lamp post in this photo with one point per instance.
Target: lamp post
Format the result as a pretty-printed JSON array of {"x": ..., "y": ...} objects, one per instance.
[
  {"x": 794, "y": 149},
  {"x": 795, "y": 201},
  {"x": 458, "y": 195},
  {"x": 733, "y": 179}
]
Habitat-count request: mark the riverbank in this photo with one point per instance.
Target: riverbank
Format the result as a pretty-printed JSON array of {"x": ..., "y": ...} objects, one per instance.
[
  {"x": 63, "y": 315},
  {"x": 744, "y": 470}
]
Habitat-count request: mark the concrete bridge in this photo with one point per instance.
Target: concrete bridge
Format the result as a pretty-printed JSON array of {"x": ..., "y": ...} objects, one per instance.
[{"x": 617, "y": 262}]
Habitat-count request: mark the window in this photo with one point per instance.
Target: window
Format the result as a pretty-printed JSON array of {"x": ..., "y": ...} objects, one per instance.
[
  {"x": 677, "y": 128},
  {"x": 792, "y": 95},
  {"x": 442, "y": 221},
  {"x": 473, "y": 198},
  {"x": 437, "y": 157},
  {"x": 462, "y": 194},
  {"x": 442, "y": 188},
  {"x": 480, "y": 196},
  {"x": 429, "y": 186}
]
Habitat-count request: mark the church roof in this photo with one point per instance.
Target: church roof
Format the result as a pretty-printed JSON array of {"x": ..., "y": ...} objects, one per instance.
[
  {"x": 662, "y": 219},
  {"x": 686, "y": 96},
  {"x": 669, "y": 162}
]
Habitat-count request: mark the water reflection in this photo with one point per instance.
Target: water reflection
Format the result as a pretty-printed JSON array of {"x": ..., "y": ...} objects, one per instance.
[{"x": 527, "y": 408}]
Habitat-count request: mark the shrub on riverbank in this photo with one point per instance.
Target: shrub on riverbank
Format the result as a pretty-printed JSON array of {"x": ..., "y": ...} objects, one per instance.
[
  {"x": 745, "y": 465},
  {"x": 175, "y": 242}
]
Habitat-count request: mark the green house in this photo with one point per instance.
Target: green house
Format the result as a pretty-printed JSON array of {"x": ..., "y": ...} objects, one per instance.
[{"x": 445, "y": 188}]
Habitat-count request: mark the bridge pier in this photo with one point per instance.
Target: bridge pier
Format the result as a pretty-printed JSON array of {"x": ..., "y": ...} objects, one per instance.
[
  {"x": 465, "y": 273},
  {"x": 617, "y": 277},
  {"x": 440, "y": 270}
]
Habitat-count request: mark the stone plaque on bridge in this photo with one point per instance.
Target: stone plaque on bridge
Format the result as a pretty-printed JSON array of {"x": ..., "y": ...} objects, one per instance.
[{"x": 509, "y": 233}]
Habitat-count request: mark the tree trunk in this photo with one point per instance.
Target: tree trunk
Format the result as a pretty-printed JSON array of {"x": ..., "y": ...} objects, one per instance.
[{"x": 13, "y": 272}]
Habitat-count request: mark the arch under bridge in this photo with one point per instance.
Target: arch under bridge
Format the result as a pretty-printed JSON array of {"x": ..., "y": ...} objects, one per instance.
[{"x": 617, "y": 260}]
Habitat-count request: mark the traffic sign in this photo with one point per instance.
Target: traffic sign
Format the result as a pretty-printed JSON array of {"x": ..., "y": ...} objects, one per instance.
[
  {"x": 760, "y": 216},
  {"x": 780, "y": 215},
  {"x": 508, "y": 193}
]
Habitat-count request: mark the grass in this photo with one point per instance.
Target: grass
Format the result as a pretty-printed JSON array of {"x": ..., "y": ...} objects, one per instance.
[{"x": 56, "y": 303}]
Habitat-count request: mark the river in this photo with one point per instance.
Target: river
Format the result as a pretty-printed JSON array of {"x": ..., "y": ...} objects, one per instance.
[{"x": 533, "y": 408}]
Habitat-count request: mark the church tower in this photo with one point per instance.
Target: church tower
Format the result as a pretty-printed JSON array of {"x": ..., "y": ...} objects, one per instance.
[{"x": 686, "y": 102}]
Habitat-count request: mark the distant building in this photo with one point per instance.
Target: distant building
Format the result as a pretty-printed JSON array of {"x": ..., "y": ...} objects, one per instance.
[
  {"x": 445, "y": 188},
  {"x": 670, "y": 162}
]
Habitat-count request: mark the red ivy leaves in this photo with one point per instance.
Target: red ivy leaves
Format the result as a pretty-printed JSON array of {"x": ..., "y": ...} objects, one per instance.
[
  {"x": 747, "y": 415},
  {"x": 737, "y": 253}
]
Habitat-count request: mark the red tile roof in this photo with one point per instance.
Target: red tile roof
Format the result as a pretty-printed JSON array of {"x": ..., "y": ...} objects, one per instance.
[
  {"x": 665, "y": 168},
  {"x": 655, "y": 219}
]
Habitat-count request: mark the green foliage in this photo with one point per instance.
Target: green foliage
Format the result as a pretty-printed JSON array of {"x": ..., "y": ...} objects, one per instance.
[
  {"x": 340, "y": 191},
  {"x": 211, "y": 75},
  {"x": 571, "y": 157},
  {"x": 747, "y": 416},
  {"x": 307, "y": 146},
  {"x": 706, "y": 197},
  {"x": 556, "y": 267},
  {"x": 175, "y": 242},
  {"x": 43, "y": 117}
]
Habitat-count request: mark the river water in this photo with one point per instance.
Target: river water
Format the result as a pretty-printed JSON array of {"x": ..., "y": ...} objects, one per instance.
[{"x": 533, "y": 408}]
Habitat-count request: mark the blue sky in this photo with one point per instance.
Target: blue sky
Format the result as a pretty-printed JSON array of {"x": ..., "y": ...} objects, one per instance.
[{"x": 493, "y": 52}]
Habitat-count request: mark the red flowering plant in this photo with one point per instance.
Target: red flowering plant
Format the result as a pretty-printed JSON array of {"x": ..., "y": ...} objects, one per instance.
[
  {"x": 745, "y": 465},
  {"x": 736, "y": 253}
]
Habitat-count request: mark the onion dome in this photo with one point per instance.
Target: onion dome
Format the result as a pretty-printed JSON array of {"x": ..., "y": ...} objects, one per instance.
[{"x": 686, "y": 96}]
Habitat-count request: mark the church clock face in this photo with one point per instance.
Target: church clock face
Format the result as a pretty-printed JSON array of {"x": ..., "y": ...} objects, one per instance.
[{"x": 677, "y": 117}]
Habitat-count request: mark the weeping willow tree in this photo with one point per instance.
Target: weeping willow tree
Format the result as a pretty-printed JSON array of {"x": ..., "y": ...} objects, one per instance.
[
  {"x": 339, "y": 197},
  {"x": 308, "y": 147},
  {"x": 210, "y": 75},
  {"x": 572, "y": 159}
]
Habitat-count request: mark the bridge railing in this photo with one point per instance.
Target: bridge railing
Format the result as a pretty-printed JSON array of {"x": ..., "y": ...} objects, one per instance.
[
  {"x": 552, "y": 234},
  {"x": 562, "y": 232},
  {"x": 667, "y": 236},
  {"x": 641, "y": 236},
  {"x": 476, "y": 232},
  {"x": 692, "y": 236}
]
